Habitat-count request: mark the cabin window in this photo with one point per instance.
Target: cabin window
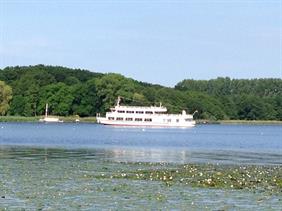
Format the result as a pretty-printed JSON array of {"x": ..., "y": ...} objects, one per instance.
[
  {"x": 139, "y": 112},
  {"x": 177, "y": 120},
  {"x": 148, "y": 120},
  {"x": 169, "y": 120},
  {"x": 128, "y": 119},
  {"x": 187, "y": 120},
  {"x": 130, "y": 112},
  {"x": 111, "y": 118},
  {"x": 149, "y": 112},
  {"x": 120, "y": 111},
  {"x": 159, "y": 112},
  {"x": 119, "y": 118},
  {"x": 138, "y": 119}
]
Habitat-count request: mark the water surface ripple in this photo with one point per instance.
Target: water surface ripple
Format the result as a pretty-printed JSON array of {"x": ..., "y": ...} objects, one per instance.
[
  {"x": 257, "y": 144},
  {"x": 61, "y": 166}
]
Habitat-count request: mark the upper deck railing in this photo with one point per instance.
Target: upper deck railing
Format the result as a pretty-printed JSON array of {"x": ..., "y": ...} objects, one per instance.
[{"x": 140, "y": 108}]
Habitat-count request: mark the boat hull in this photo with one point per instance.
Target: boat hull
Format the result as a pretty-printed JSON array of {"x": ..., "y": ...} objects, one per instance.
[
  {"x": 144, "y": 124},
  {"x": 50, "y": 119}
]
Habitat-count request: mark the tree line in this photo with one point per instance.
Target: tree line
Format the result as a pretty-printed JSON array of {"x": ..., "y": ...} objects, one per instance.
[{"x": 84, "y": 93}]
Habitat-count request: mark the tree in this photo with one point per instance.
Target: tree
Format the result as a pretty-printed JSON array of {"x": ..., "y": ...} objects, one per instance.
[
  {"x": 278, "y": 107},
  {"x": 59, "y": 97},
  {"x": 110, "y": 86},
  {"x": 208, "y": 107},
  {"x": 32, "y": 100},
  {"x": 254, "y": 108},
  {"x": 74, "y": 91},
  {"x": 5, "y": 97},
  {"x": 17, "y": 105},
  {"x": 85, "y": 101}
]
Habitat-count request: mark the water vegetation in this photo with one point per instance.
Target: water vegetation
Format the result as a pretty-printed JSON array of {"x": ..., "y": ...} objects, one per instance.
[
  {"x": 251, "y": 177},
  {"x": 59, "y": 179},
  {"x": 71, "y": 92}
]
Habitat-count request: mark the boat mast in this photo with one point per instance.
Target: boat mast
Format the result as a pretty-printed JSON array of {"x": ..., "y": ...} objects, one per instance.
[
  {"x": 118, "y": 100},
  {"x": 46, "y": 110}
]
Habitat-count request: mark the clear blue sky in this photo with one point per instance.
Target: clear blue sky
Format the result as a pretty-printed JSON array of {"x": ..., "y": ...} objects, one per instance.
[{"x": 154, "y": 41}]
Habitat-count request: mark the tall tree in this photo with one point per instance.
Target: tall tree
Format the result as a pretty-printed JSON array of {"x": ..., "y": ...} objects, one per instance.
[{"x": 5, "y": 97}]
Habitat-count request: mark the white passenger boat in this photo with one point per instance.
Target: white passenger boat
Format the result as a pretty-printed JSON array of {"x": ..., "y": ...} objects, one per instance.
[
  {"x": 48, "y": 118},
  {"x": 153, "y": 116}
]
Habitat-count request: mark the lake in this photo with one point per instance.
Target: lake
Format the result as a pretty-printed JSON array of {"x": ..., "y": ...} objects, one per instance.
[{"x": 59, "y": 166}]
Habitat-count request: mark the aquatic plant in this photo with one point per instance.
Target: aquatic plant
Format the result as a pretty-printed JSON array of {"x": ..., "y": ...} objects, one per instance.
[{"x": 265, "y": 178}]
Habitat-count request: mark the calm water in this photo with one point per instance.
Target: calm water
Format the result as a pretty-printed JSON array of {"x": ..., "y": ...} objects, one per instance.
[
  {"x": 203, "y": 143},
  {"x": 54, "y": 166}
]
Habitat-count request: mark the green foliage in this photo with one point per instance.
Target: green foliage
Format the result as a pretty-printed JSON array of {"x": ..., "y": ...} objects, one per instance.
[
  {"x": 226, "y": 86},
  {"x": 59, "y": 97},
  {"x": 256, "y": 99},
  {"x": 278, "y": 107},
  {"x": 5, "y": 97},
  {"x": 84, "y": 93},
  {"x": 207, "y": 106},
  {"x": 85, "y": 101},
  {"x": 110, "y": 86},
  {"x": 17, "y": 105}
]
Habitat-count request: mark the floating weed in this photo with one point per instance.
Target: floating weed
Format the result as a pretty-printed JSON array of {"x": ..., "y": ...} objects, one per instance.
[
  {"x": 207, "y": 175},
  {"x": 160, "y": 197},
  {"x": 278, "y": 182}
]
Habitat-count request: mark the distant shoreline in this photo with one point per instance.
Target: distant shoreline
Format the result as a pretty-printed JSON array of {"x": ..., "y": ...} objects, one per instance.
[
  {"x": 36, "y": 119},
  {"x": 93, "y": 120},
  {"x": 241, "y": 122}
]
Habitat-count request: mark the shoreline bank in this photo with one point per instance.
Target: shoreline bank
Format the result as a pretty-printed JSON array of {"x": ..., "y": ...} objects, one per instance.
[
  {"x": 241, "y": 122},
  {"x": 36, "y": 119}
]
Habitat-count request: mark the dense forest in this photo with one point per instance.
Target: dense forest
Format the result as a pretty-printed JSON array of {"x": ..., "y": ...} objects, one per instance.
[{"x": 84, "y": 93}]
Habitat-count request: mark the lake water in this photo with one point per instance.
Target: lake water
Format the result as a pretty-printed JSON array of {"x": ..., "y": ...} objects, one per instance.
[
  {"x": 43, "y": 166},
  {"x": 203, "y": 143}
]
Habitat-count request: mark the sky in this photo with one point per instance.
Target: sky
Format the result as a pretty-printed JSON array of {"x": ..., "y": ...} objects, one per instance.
[{"x": 154, "y": 41}]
